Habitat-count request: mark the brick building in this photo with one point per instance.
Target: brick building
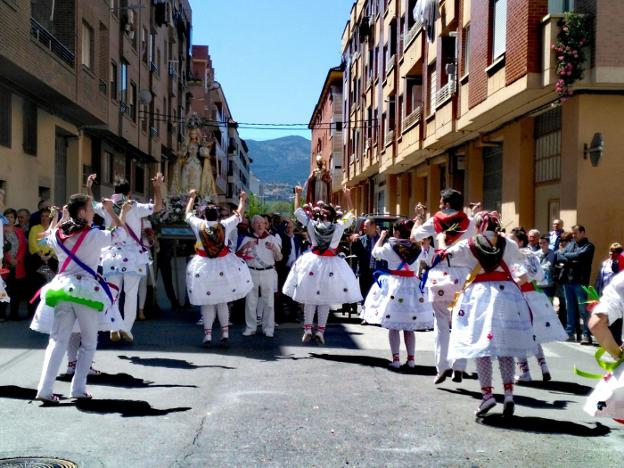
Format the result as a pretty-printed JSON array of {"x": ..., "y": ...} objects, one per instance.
[
  {"x": 326, "y": 127},
  {"x": 89, "y": 86},
  {"x": 469, "y": 102},
  {"x": 229, "y": 152}
]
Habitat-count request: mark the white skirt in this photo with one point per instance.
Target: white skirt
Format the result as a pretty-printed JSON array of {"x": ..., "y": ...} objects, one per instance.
[
  {"x": 218, "y": 280},
  {"x": 607, "y": 399},
  {"x": 318, "y": 280},
  {"x": 491, "y": 319},
  {"x": 546, "y": 324},
  {"x": 444, "y": 282},
  {"x": 398, "y": 305},
  {"x": 124, "y": 259},
  {"x": 82, "y": 286}
]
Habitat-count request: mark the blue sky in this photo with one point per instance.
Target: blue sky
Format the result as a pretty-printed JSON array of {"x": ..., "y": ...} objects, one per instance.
[{"x": 271, "y": 56}]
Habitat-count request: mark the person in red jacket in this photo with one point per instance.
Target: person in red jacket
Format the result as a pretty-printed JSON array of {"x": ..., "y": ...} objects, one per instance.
[{"x": 15, "y": 247}]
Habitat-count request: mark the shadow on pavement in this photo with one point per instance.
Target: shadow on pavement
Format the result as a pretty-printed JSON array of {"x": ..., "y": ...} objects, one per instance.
[
  {"x": 122, "y": 380},
  {"x": 544, "y": 425},
  {"x": 126, "y": 408},
  {"x": 572, "y": 388},
  {"x": 17, "y": 393},
  {"x": 169, "y": 363},
  {"x": 371, "y": 361},
  {"x": 518, "y": 399}
]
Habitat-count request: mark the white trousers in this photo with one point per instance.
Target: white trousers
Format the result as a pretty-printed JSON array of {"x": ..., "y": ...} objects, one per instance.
[
  {"x": 263, "y": 286},
  {"x": 130, "y": 285},
  {"x": 442, "y": 336},
  {"x": 208, "y": 314},
  {"x": 65, "y": 315},
  {"x": 142, "y": 292}
]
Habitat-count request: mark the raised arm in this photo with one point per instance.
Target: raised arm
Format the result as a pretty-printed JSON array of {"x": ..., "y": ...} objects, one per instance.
[
  {"x": 298, "y": 192},
  {"x": 107, "y": 204},
  {"x": 242, "y": 203},
  {"x": 90, "y": 182},
  {"x": 157, "y": 181},
  {"x": 599, "y": 326},
  {"x": 346, "y": 192},
  {"x": 191, "y": 201}
]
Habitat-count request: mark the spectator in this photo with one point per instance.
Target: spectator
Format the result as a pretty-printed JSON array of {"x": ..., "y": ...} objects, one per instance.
[
  {"x": 43, "y": 263},
  {"x": 15, "y": 249},
  {"x": 610, "y": 267},
  {"x": 534, "y": 237},
  {"x": 362, "y": 247},
  {"x": 554, "y": 236},
  {"x": 23, "y": 220},
  {"x": 560, "y": 280},
  {"x": 291, "y": 251},
  {"x": 35, "y": 218},
  {"x": 577, "y": 258},
  {"x": 547, "y": 261}
]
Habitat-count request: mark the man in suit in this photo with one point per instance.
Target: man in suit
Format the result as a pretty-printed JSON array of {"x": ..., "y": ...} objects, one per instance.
[
  {"x": 362, "y": 247},
  {"x": 291, "y": 251}
]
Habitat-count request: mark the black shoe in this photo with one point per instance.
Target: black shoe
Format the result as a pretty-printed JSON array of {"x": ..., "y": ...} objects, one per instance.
[
  {"x": 586, "y": 341},
  {"x": 571, "y": 339},
  {"x": 457, "y": 376}
]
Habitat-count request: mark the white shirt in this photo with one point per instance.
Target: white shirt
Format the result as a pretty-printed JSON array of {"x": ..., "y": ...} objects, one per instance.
[
  {"x": 341, "y": 225},
  {"x": 229, "y": 224},
  {"x": 88, "y": 253},
  {"x": 612, "y": 300},
  {"x": 132, "y": 218},
  {"x": 428, "y": 229},
  {"x": 260, "y": 255},
  {"x": 387, "y": 253},
  {"x": 461, "y": 256}
]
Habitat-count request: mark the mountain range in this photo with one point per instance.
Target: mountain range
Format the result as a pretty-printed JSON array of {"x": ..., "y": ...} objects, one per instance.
[{"x": 282, "y": 160}]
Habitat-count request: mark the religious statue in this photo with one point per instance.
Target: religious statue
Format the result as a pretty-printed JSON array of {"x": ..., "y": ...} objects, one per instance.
[
  {"x": 319, "y": 183},
  {"x": 188, "y": 172}
]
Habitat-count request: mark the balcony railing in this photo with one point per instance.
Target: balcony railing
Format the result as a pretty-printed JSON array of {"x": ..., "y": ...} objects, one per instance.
[
  {"x": 411, "y": 34},
  {"x": 47, "y": 39},
  {"x": 389, "y": 137},
  {"x": 445, "y": 93},
  {"x": 390, "y": 63},
  {"x": 412, "y": 118},
  {"x": 154, "y": 132}
]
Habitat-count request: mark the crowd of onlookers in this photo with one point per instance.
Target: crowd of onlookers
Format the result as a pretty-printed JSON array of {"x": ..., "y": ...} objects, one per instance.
[{"x": 28, "y": 262}]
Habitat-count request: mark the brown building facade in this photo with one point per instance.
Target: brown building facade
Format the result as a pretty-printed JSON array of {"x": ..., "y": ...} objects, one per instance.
[
  {"x": 326, "y": 126},
  {"x": 90, "y": 86},
  {"x": 469, "y": 102}
]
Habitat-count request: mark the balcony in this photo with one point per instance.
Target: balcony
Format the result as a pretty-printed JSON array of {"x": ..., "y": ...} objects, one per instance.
[
  {"x": 411, "y": 35},
  {"x": 390, "y": 64},
  {"x": 412, "y": 119},
  {"x": 154, "y": 132},
  {"x": 445, "y": 93},
  {"x": 47, "y": 39}
]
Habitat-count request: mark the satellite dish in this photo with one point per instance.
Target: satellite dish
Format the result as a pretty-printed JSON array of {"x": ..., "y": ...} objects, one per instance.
[{"x": 145, "y": 97}]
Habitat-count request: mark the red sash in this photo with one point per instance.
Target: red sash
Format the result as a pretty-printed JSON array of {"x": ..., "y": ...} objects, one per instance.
[
  {"x": 202, "y": 253},
  {"x": 527, "y": 287},
  {"x": 403, "y": 273},
  {"x": 326, "y": 253},
  {"x": 492, "y": 276}
]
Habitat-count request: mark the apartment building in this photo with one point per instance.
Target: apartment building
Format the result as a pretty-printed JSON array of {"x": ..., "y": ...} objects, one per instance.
[
  {"x": 468, "y": 101},
  {"x": 326, "y": 126},
  {"x": 229, "y": 153},
  {"x": 89, "y": 86}
]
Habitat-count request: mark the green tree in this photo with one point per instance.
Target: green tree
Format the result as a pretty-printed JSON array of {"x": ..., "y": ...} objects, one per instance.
[{"x": 256, "y": 206}]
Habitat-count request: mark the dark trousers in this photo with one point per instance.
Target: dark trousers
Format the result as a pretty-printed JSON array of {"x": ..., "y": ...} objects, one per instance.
[
  {"x": 17, "y": 289},
  {"x": 285, "y": 308},
  {"x": 164, "y": 267}
]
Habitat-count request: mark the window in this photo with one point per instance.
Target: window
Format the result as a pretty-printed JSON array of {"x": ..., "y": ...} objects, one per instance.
[
  {"x": 132, "y": 100},
  {"x": 114, "y": 83},
  {"x": 5, "y": 118},
  {"x": 414, "y": 93},
  {"x": 119, "y": 167},
  {"x": 87, "y": 46},
  {"x": 139, "y": 178},
  {"x": 466, "y": 50},
  {"x": 123, "y": 84},
  {"x": 448, "y": 59},
  {"x": 493, "y": 178},
  {"x": 432, "y": 89},
  {"x": 499, "y": 28},
  {"x": 144, "y": 45},
  {"x": 29, "y": 114},
  {"x": 560, "y": 6},
  {"x": 548, "y": 146}
]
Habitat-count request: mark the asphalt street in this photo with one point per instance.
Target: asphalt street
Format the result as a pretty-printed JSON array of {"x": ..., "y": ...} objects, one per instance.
[{"x": 167, "y": 401}]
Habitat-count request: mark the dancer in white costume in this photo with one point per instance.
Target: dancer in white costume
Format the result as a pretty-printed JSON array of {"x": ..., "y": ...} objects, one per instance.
[
  {"x": 607, "y": 399},
  {"x": 491, "y": 317},
  {"x": 445, "y": 278},
  {"x": 396, "y": 300},
  {"x": 215, "y": 276},
  {"x": 546, "y": 324},
  {"x": 320, "y": 278},
  {"x": 77, "y": 293},
  {"x": 124, "y": 263}
]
